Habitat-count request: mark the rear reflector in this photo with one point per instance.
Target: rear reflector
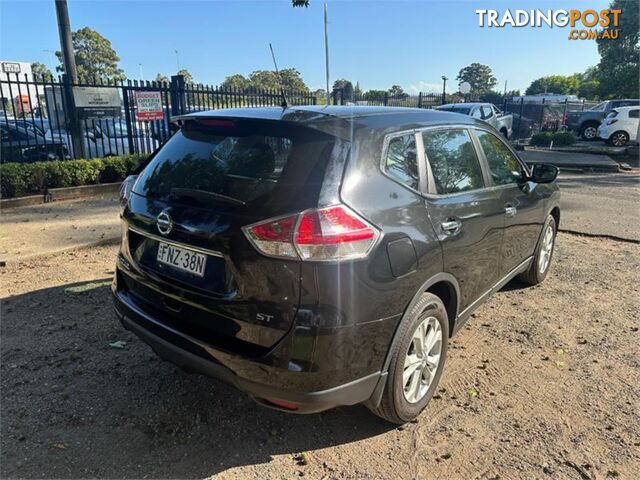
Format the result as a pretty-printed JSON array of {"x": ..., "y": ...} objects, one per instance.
[
  {"x": 326, "y": 234},
  {"x": 282, "y": 404}
]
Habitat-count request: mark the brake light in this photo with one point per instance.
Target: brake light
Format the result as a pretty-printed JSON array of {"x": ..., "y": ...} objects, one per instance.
[{"x": 325, "y": 234}]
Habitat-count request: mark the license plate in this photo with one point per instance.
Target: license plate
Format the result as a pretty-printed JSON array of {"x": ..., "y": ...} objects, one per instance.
[{"x": 181, "y": 258}]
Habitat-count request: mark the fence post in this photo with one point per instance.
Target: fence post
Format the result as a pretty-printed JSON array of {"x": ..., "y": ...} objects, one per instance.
[
  {"x": 178, "y": 103},
  {"x": 520, "y": 116},
  {"x": 444, "y": 99},
  {"x": 564, "y": 114},
  {"x": 386, "y": 98},
  {"x": 419, "y": 99},
  {"x": 542, "y": 115},
  {"x": 127, "y": 117}
]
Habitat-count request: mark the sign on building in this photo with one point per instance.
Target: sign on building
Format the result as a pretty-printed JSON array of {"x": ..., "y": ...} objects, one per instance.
[
  {"x": 97, "y": 102},
  {"x": 11, "y": 67},
  {"x": 148, "y": 106}
]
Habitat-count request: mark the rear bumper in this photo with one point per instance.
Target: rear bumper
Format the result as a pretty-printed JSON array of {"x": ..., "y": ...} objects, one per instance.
[{"x": 138, "y": 322}]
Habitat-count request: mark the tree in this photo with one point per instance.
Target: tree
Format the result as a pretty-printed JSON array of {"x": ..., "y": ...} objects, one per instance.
[
  {"x": 300, "y": 3},
  {"x": 346, "y": 86},
  {"x": 378, "y": 95},
  {"x": 292, "y": 80},
  {"x": 188, "y": 78},
  {"x": 396, "y": 91},
  {"x": 40, "y": 70},
  {"x": 479, "y": 77},
  {"x": 357, "y": 91},
  {"x": 95, "y": 57},
  {"x": 620, "y": 57},
  {"x": 589, "y": 84},
  {"x": 162, "y": 78},
  {"x": 321, "y": 96},
  {"x": 236, "y": 82},
  {"x": 561, "y": 84},
  {"x": 264, "y": 80}
]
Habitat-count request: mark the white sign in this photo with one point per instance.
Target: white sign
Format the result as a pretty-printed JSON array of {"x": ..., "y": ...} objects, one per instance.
[
  {"x": 148, "y": 106},
  {"x": 97, "y": 102},
  {"x": 10, "y": 67},
  {"x": 464, "y": 87}
]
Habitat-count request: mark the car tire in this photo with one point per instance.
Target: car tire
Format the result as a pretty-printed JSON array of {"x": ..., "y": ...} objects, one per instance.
[
  {"x": 544, "y": 253},
  {"x": 619, "y": 138},
  {"x": 402, "y": 401},
  {"x": 589, "y": 131}
]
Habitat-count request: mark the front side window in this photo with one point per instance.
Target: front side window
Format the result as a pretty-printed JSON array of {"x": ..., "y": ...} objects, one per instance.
[
  {"x": 453, "y": 160},
  {"x": 503, "y": 164},
  {"x": 476, "y": 113},
  {"x": 486, "y": 112},
  {"x": 400, "y": 160}
]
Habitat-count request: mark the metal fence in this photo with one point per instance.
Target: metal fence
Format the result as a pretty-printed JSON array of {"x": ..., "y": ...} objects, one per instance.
[{"x": 36, "y": 116}]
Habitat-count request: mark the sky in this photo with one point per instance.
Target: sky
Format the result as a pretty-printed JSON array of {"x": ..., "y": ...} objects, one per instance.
[{"x": 377, "y": 43}]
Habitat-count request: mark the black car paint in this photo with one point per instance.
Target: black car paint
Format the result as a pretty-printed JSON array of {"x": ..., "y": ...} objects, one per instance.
[
  {"x": 330, "y": 324},
  {"x": 27, "y": 145}
]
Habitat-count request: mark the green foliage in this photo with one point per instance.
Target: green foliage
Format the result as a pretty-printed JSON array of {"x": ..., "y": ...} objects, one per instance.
[
  {"x": 560, "y": 139},
  {"x": 396, "y": 91},
  {"x": 94, "y": 56},
  {"x": 236, "y": 82},
  {"x": 300, "y": 3},
  {"x": 346, "y": 86},
  {"x": 268, "y": 80},
  {"x": 479, "y": 77},
  {"x": 620, "y": 57},
  {"x": 188, "y": 78},
  {"x": 39, "y": 70},
  {"x": 162, "y": 78},
  {"x": 20, "y": 179},
  {"x": 560, "y": 84}
]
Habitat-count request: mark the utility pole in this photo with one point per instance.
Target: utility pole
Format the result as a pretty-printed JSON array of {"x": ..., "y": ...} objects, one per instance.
[
  {"x": 326, "y": 50},
  {"x": 70, "y": 77},
  {"x": 505, "y": 88},
  {"x": 141, "y": 74}
]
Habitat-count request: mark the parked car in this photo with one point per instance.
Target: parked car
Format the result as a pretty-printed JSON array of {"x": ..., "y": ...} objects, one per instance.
[
  {"x": 323, "y": 256},
  {"x": 19, "y": 144},
  {"x": 484, "y": 111},
  {"x": 105, "y": 138},
  {"x": 621, "y": 126},
  {"x": 586, "y": 123}
]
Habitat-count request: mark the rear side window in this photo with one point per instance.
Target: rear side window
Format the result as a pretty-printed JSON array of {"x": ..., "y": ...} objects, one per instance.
[
  {"x": 487, "y": 112},
  {"x": 453, "y": 160},
  {"x": 634, "y": 113},
  {"x": 401, "y": 160},
  {"x": 242, "y": 160},
  {"x": 503, "y": 165}
]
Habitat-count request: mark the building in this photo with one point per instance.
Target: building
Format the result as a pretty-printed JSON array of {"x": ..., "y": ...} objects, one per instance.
[{"x": 17, "y": 99}]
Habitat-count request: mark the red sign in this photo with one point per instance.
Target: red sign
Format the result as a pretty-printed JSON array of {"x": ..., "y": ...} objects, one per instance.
[{"x": 148, "y": 106}]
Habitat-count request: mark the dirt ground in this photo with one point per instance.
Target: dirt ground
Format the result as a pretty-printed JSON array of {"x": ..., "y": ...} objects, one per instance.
[{"x": 542, "y": 383}]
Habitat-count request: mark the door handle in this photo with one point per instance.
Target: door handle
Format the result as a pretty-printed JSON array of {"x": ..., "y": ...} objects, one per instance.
[
  {"x": 510, "y": 211},
  {"x": 451, "y": 226}
]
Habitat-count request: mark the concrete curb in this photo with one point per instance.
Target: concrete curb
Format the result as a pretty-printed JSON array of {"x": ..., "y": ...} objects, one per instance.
[{"x": 65, "y": 193}]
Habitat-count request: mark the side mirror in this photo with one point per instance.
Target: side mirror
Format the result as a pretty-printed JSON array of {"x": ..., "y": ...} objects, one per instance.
[{"x": 544, "y": 173}]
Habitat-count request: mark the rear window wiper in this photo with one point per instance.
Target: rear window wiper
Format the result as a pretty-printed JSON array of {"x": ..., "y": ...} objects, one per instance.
[{"x": 203, "y": 194}]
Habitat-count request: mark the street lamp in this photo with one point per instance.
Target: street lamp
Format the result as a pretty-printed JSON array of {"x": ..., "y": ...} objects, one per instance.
[{"x": 444, "y": 88}]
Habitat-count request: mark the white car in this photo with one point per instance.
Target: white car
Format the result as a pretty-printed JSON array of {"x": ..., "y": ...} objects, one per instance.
[{"x": 621, "y": 126}]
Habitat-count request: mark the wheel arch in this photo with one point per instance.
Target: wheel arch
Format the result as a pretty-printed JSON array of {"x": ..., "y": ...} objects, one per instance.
[{"x": 441, "y": 284}]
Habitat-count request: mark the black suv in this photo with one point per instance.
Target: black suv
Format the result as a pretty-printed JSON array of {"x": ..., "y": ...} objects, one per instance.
[{"x": 316, "y": 257}]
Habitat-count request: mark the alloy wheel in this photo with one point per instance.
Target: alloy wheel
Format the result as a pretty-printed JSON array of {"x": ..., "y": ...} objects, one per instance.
[
  {"x": 590, "y": 133},
  {"x": 422, "y": 360},
  {"x": 619, "y": 139},
  {"x": 545, "y": 251}
]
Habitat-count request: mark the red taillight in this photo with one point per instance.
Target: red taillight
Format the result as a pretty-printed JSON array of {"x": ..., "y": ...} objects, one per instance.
[{"x": 326, "y": 234}]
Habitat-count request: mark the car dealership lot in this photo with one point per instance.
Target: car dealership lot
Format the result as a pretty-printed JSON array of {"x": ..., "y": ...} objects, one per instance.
[{"x": 542, "y": 381}]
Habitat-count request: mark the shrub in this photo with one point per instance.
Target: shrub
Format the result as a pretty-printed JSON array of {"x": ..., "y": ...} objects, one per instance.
[
  {"x": 559, "y": 139},
  {"x": 20, "y": 179}
]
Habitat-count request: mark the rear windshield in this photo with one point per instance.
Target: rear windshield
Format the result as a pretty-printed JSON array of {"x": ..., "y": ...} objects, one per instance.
[
  {"x": 236, "y": 160},
  {"x": 462, "y": 110}
]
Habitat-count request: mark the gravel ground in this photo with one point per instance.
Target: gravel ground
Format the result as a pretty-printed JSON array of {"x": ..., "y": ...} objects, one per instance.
[{"x": 542, "y": 383}]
